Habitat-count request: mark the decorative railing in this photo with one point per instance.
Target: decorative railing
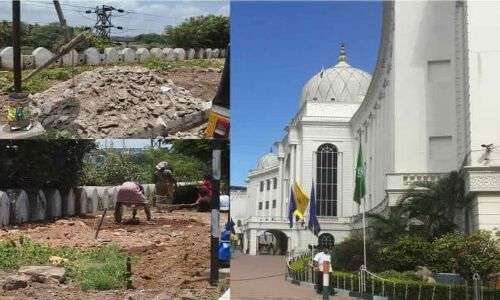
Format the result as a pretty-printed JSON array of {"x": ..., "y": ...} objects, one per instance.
[
  {"x": 402, "y": 181},
  {"x": 299, "y": 270}
]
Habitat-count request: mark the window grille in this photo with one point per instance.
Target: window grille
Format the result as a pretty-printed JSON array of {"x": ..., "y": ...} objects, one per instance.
[{"x": 326, "y": 180}]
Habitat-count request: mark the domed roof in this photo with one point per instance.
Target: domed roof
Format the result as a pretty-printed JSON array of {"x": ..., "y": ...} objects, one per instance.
[
  {"x": 267, "y": 161},
  {"x": 340, "y": 83}
]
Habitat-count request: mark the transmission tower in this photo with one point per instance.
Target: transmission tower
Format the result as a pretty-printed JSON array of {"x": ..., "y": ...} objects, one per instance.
[{"x": 103, "y": 23}]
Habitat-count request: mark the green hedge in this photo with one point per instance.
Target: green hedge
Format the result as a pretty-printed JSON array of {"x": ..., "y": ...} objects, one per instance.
[{"x": 394, "y": 289}]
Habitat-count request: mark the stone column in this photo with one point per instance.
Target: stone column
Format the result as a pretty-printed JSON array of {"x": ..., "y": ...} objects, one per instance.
[
  {"x": 253, "y": 242},
  {"x": 278, "y": 191}
]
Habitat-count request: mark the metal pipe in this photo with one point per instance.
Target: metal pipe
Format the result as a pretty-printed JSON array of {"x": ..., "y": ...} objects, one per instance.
[{"x": 16, "y": 44}]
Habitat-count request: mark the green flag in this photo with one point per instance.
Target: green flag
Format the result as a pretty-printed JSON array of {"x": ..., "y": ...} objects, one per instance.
[{"x": 359, "y": 190}]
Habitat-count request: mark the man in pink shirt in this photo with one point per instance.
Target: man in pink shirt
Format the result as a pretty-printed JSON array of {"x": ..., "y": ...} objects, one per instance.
[{"x": 131, "y": 194}]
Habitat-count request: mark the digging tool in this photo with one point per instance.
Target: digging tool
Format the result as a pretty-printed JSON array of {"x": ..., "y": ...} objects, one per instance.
[
  {"x": 100, "y": 223},
  {"x": 218, "y": 118}
]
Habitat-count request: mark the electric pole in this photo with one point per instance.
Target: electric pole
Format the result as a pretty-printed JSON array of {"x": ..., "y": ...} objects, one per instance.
[
  {"x": 103, "y": 23},
  {"x": 215, "y": 217},
  {"x": 16, "y": 44}
]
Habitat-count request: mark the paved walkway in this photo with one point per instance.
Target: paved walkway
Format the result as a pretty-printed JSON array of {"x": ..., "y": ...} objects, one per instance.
[{"x": 262, "y": 277}]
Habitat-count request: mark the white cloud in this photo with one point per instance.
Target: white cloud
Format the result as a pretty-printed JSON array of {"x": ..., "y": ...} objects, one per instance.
[{"x": 142, "y": 17}]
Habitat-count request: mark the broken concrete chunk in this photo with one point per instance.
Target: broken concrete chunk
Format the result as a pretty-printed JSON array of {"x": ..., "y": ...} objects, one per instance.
[
  {"x": 14, "y": 282},
  {"x": 44, "y": 273}
]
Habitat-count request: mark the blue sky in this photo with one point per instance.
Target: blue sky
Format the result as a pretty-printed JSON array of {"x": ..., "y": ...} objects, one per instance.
[{"x": 275, "y": 48}]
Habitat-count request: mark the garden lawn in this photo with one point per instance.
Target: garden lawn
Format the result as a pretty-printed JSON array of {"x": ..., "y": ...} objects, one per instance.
[{"x": 100, "y": 268}]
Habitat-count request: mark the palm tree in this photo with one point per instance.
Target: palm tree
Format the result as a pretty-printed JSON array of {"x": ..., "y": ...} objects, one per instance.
[
  {"x": 434, "y": 204},
  {"x": 387, "y": 228}
]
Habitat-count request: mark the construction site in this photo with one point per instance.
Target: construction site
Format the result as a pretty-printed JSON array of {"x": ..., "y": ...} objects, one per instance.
[
  {"x": 91, "y": 84},
  {"x": 123, "y": 221}
]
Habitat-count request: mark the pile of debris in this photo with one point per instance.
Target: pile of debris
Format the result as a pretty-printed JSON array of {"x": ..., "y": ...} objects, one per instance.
[{"x": 120, "y": 101}]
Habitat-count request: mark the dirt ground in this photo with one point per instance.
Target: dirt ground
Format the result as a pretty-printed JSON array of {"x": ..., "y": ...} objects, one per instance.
[{"x": 172, "y": 250}]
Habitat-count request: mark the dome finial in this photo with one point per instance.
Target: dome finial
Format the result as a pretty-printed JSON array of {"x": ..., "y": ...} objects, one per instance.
[{"x": 342, "y": 54}]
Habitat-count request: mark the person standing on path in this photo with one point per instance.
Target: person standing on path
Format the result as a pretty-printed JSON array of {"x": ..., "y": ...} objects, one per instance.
[{"x": 318, "y": 260}]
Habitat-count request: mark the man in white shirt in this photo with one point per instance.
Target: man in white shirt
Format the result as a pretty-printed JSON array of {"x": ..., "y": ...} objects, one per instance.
[{"x": 318, "y": 260}]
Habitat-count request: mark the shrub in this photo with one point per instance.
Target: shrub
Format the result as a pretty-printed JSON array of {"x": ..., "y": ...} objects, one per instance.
[
  {"x": 43, "y": 164},
  {"x": 200, "y": 32},
  {"x": 111, "y": 167},
  {"x": 348, "y": 255},
  {"x": 406, "y": 253}
]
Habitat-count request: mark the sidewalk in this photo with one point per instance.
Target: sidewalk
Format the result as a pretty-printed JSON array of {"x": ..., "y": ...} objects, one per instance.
[{"x": 262, "y": 277}]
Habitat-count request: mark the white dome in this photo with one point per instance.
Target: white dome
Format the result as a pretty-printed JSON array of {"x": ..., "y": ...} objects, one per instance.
[
  {"x": 267, "y": 161},
  {"x": 340, "y": 83}
]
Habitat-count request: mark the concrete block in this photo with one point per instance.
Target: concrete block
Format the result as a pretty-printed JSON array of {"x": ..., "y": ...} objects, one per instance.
[
  {"x": 191, "y": 54},
  {"x": 200, "y": 53},
  {"x": 92, "y": 199},
  {"x": 37, "y": 206},
  {"x": 180, "y": 54},
  {"x": 70, "y": 59},
  {"x": 103, "y": 197},
  {"x": 41, "y": 55},
  {"x": 92, "y": 56},
  {"x": 54, "y": 204},
  {"x": 81, "y": 201},
  {"x": 156, "y": 52},
  {"x": 169, "y": 54},
  {"x": 142, "y": 54},
  {"x": 129, "y": 55},
  {"x": 111, "y": 55},
  {"x": 7, "y": 58},
  {"x": 68, "y": 203},
  {"x": 4, "y": 209},
  {"x": 208, "y": 53},
  {"x": 19, "y": 206},
  {"x": 215, "y": 53}
]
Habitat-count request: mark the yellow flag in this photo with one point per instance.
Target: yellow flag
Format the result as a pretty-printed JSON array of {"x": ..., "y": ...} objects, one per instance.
[{"x": 302, "y": 201}]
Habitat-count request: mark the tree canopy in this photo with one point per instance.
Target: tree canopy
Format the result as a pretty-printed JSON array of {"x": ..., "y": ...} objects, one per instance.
[{"x": 200, "y": 32}]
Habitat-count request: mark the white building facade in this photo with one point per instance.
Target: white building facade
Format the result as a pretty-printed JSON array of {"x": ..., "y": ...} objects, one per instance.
[{"x": 434, "y": 99}]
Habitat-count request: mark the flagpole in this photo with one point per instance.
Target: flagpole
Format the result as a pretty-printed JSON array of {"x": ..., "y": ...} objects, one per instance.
[{"x": 364, "y": 232}]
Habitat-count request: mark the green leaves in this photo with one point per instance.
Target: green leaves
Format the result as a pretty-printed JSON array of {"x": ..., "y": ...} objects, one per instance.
[
  {"x": 451, "y": 253},
  {"x": 199, "y": 32},
  {"x": 42, "y": 164}
]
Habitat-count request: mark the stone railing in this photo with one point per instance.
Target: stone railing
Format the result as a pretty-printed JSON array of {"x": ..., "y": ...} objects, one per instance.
[
  {"x": 403, "y": 181},
  {"x": 92, "y": 56}
]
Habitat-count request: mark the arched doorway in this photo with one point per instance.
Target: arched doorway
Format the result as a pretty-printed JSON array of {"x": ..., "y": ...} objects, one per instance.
[
  {"x": 326, "y": 240},
  {"x": 272, "y": 242}
]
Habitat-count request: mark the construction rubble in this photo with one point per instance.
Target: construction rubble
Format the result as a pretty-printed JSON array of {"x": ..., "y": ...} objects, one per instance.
[{"x": 121, "y": 101}]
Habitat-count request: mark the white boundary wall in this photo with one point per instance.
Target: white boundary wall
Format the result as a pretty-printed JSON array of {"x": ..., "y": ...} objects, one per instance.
[{"x": 94, "y": 57}]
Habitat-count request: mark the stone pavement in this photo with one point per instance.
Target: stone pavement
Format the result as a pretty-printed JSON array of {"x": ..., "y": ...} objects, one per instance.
[{"x": 262, "y": 277}]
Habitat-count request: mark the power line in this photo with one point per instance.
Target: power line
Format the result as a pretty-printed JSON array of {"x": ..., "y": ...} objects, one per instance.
[{"x": 103, "y": 25}]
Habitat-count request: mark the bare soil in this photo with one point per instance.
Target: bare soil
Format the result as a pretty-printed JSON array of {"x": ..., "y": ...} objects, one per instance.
[{"x": 172, "y": 250}]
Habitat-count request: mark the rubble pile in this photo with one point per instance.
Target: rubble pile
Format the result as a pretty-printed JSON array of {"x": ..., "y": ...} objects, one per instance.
[{"x": 120, "y": 101}]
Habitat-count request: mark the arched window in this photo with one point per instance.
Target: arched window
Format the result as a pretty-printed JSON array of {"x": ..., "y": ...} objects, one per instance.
[
  {"x": 326, "y": 180},
  {"x": 326, "y": 240}
]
